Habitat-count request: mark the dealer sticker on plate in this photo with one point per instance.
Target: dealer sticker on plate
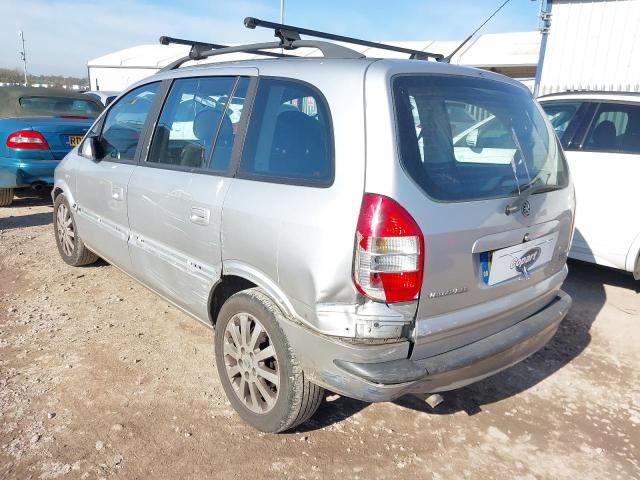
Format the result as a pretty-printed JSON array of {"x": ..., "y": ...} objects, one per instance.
[{"x": 519, "y": 260}]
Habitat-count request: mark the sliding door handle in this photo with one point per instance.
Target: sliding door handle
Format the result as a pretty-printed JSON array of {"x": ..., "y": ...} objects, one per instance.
[{"x": 117, "y": 193}]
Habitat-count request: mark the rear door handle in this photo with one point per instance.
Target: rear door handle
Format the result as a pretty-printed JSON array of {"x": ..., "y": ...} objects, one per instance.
[
  {"x": 117, "y": 193},
  {"x": 200, "y": 216}
]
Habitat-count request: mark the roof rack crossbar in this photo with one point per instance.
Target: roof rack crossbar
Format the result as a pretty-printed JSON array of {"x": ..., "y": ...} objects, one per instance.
[
  {"x": 289, "y": 34},
  {"x": 289, "y": 40},
  {"x": 199, "y": 49}
]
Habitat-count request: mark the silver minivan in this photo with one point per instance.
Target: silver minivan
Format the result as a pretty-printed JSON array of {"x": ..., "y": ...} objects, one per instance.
[{"x": 373, "y": 227}]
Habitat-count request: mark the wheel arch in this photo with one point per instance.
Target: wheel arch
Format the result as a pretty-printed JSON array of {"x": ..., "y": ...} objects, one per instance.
[
  {"x": 56, "y": 192},
  {"x": 62, "y": 188},
  {"x": 238, "y": 276},
  {"x": 633, "y": 258}
]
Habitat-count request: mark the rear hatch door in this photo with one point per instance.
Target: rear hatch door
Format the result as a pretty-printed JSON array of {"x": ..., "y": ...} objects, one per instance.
[{"x": 484, "y": 269}]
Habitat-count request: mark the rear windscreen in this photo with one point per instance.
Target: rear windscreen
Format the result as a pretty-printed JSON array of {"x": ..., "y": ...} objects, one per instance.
[
  {"x": 463, "y": 139},
  {"x": 60, "y": 105}
]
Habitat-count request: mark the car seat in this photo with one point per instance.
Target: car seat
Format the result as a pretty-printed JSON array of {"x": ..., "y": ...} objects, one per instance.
[
  {"x": 298, "y": 147},
  {"x": 204, "y": 125},
  {"x": 604, "y": 136}
]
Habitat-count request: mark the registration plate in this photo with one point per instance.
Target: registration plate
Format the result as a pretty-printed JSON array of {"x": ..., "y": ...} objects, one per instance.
[
  {"x": 517, "y": 261},
  {"x": 73, "y": 140}
]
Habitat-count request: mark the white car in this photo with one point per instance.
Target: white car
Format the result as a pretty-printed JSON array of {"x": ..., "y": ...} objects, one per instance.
[{"x": 600, "y": 133}]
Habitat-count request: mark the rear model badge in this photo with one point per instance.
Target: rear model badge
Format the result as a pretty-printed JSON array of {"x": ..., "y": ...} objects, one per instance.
[
  {"x": 526, "y": 208},
  {"x": 451, "y": 291}
]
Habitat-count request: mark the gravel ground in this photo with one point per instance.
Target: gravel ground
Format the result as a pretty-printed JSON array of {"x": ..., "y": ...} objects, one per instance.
[{"x": 100, "y": 378}]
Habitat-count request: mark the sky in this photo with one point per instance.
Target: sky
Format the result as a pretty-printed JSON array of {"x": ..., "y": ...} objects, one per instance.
[{"x": 62, "y": 35}]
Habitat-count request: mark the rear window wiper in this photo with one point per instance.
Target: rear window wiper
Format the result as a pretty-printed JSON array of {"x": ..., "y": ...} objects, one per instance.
[{"x": 516, "y": 205}]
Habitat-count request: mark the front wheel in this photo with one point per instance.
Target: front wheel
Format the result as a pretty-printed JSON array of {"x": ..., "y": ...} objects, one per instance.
[
  {"x": 257, "y": 368},
  {"x": 70, "y": 246},
  {"x": 6, "y": 197}
]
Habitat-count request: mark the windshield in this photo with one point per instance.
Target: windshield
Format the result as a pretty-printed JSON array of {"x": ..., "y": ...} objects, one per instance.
[
  {"x": 560, "y": 114},
  {"x": 61, "y": 105},
  {"x": 465, "y": 139}
]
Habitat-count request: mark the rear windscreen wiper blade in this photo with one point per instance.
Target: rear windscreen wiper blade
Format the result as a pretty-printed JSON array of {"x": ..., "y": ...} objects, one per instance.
[{"x": 516, "y": 205}]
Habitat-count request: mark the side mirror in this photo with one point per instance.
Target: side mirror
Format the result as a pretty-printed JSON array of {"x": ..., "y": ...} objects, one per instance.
[
  {"x": 90, "y": 148},
  {"x": 472, "y": 138}
]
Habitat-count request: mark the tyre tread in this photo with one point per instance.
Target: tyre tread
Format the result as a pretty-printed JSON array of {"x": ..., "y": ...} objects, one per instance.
[{"x": 6, "y": 197}]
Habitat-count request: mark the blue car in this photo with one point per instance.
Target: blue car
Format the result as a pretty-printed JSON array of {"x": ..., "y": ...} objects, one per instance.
[{"x": 38, "y": 127}]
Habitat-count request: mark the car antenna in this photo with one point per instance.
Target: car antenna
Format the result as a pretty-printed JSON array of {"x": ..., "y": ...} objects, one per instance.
[{"x": 448, "y": 58}]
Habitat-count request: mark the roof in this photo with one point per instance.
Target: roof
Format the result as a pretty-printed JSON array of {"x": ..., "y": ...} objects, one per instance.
[
  {"x": 10, "y": 99},
  {"x": 17, "y": 92},
  {"x": 351, "y": 70},
  {"x": 496, "y": 49}
]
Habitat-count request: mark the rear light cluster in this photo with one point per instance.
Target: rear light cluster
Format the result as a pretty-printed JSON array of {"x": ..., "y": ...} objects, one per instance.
[
  {"x": 27, "y": 139},
  {"x": 389, "y": 251}
]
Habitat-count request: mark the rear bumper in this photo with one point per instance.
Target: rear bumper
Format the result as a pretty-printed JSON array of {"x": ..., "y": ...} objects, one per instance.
[
  {"x": 372, "y": 381},
  {"x": 23, "y": 173}
]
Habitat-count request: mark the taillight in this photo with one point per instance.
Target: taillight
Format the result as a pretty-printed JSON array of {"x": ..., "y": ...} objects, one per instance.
[
  {"x": 27, "y": 139},
  {"x": 389, "y": 251}
]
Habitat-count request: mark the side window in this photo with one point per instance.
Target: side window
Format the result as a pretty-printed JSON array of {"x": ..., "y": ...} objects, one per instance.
[
  {"x": 616, "y": 128},
  {"x": 194, "y": 117},
  {"x": 560, "y": 115},
  {"x": 289, "y": 135},
  {"x": 124, "y": 122}
]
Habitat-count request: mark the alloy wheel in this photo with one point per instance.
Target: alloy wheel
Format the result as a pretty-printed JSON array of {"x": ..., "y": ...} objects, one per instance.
[
  {"x": 64, "y": 224},
  {"x": 251, "y": 363}
]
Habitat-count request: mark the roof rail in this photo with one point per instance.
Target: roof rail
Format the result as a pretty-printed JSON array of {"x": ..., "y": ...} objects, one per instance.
[
  {"x": 289, "y": 35},
  {"x": 198, "y": 49}
]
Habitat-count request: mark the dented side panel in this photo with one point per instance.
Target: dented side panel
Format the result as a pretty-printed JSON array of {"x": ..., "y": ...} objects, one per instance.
[
  {"x": 175, "y": 233},
  {"x": 301, "y": 237}
]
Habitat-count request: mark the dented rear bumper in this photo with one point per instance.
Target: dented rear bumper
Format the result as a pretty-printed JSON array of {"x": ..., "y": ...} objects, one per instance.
[{"x": 384, "y": 372}]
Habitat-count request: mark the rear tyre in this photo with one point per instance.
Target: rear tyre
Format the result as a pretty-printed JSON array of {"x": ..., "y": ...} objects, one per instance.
[
  {"x": 6, "y": 197},
  {"x": 257, "y": 367},
  {"x": 70, "y": 246}
]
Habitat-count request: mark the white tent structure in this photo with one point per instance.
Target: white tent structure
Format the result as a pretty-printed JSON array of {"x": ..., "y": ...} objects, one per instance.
[{"x": 514, "y": 54}]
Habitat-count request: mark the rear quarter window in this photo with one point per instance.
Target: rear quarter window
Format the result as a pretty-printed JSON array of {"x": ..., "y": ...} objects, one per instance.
[{"x": 289, "y": 138}]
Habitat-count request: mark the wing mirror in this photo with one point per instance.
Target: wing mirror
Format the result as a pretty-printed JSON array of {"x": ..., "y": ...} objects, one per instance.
[
  {"x": 90, "y": 149},
  {"x": 472, "y": 138}
]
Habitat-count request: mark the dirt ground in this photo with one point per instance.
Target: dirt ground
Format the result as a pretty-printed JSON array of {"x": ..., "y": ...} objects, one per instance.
[{"x": 100, "y": 378}]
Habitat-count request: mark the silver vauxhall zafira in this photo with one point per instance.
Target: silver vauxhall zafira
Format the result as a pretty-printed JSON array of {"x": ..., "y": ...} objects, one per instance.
[{"x": 373, "y": 227}]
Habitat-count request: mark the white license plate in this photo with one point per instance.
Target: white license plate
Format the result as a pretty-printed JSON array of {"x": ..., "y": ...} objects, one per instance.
[{"x": 521, "y": 259}]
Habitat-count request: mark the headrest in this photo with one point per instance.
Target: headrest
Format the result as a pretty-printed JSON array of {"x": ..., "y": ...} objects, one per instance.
[
  {"x": 205, "y": 123},
  {"x": 604, "y": 136}
]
